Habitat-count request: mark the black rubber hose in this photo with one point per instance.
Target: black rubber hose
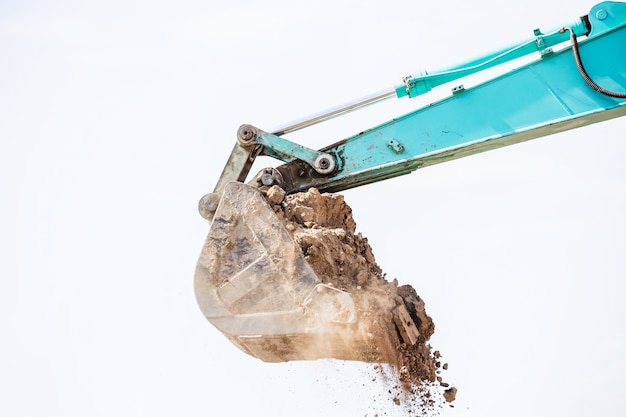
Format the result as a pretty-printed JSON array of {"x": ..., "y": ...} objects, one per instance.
[{"x": 583, "y": 72}]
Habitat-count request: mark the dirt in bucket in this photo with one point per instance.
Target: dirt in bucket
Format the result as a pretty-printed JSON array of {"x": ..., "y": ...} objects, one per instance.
[{"x": 323, "y": 227}]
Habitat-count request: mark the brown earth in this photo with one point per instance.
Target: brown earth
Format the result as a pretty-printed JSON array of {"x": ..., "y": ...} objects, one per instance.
[{"x": 323, "y": 227}]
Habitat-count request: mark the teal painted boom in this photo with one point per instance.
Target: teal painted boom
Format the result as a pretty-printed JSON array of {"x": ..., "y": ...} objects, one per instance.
[
  {"x": 546, "y": 96},
  {"x": 538, "y": 99}
]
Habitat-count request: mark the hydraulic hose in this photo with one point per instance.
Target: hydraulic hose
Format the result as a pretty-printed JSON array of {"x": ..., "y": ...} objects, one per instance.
[{"x": 583, "y": 72}]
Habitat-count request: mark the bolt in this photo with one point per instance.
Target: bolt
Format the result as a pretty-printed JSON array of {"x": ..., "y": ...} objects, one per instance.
[
  {"x": 271, "y": 176},
  {"x": 324, "y": 164},
  {"x": 246, "y": 134},
  {"x": 208, "y": 205}
]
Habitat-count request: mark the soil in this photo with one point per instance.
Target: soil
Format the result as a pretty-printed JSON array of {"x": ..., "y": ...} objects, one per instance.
[{"x": 323, "y": 227}]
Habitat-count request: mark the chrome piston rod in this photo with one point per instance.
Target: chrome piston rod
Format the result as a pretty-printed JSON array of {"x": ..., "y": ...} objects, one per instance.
[{"x": 333, "y": 112}]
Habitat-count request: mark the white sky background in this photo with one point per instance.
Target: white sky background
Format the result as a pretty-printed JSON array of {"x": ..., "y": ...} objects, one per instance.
[{"x": 116, "y": 117}]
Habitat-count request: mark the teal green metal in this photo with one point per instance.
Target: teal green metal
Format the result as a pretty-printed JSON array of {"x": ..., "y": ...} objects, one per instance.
[
  {"x": 253, "y": 282},
  {"x": 285, "y": 150},
  {"x": 537, "y": 99},
  {"x": 424, "y": 81},
  {"x": 546, "y": 96},
  {"x": 604, "y": 16}
]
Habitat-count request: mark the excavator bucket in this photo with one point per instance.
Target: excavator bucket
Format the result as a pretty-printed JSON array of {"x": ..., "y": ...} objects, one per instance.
[{"x": 253, "y": 284}]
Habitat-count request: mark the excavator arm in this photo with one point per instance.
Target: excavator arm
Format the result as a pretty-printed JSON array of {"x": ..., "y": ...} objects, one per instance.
[{"x": 253, "y": 283}]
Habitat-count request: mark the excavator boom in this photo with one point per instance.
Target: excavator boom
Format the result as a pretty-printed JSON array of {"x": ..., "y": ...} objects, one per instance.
[{"x": 253, "y": 282}]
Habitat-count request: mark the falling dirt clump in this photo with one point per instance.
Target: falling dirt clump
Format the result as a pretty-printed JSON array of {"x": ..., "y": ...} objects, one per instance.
[
  {"x": 450, "y": 394},
  {"x": 325, "y": 231}
]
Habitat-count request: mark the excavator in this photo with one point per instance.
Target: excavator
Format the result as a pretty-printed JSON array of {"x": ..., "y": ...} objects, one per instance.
[{"x": 253, "y": 283}]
